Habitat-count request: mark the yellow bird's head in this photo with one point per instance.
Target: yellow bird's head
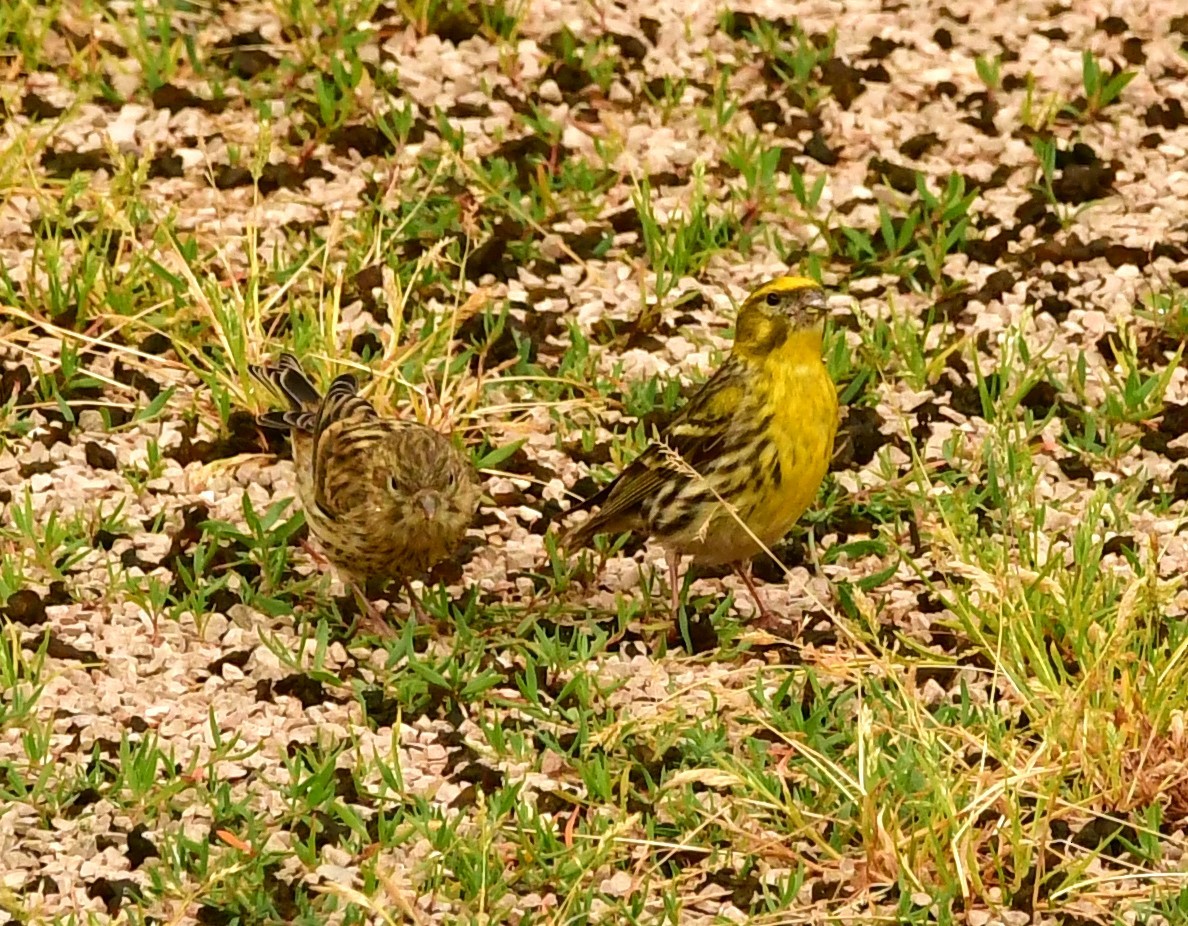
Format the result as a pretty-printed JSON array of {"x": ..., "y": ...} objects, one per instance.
[{"x": 777, "y": 310}]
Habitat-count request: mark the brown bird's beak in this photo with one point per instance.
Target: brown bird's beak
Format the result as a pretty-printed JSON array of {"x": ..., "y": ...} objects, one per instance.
[{"x": 428, "y": 505}]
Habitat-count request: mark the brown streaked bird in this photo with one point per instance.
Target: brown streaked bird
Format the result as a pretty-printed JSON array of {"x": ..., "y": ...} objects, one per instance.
[
  {"x": 386, "y": 499},
  {"x": 741, "y": 462}
]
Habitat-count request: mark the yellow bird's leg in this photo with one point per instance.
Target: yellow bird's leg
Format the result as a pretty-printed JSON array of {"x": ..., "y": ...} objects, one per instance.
[
  {"x": 766, "y": 618},
  {"x": 674, "y": 561}
]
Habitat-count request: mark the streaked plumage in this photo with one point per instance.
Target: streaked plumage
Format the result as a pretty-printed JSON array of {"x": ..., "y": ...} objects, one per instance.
[
  {"x": 386, "y": 499},
  {"x": 756, "y": 438}
]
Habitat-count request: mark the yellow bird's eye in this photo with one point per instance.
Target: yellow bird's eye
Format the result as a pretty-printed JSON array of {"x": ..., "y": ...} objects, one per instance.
[{"x": 773, "y": 299}]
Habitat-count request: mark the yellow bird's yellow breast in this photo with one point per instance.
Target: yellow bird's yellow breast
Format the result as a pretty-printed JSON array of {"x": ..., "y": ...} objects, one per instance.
[{"x": 803, "y": 402}]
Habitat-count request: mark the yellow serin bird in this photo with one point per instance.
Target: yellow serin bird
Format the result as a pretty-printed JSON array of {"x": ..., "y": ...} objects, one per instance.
[
  {"x": 744, "y": 458},
  {"x": 386, "y": 499}
]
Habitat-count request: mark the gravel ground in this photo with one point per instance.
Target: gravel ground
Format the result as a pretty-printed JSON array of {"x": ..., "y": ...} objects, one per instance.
[{"x": 1054, "y": 275}]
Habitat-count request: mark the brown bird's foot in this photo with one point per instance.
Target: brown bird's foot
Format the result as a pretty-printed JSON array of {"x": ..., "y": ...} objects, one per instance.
[
  {"x": 315, "y": 554},
  {"x": 378, "y": 623},
  {"x": 371, "y": 617}
]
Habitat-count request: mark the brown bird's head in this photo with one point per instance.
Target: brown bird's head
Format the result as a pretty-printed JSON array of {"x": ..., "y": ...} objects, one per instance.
[{"x": 427, "y": 481}]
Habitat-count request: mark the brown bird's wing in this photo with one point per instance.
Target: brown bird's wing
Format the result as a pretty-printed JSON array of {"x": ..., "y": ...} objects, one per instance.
[
  {"x": 693, "y": 438},
  {"x": 323, "y": 418},
  {"x": 342, "y": 420}
]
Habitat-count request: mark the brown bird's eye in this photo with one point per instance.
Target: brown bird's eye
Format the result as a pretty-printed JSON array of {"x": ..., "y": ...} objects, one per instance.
[{"x": 773, "y": 300}]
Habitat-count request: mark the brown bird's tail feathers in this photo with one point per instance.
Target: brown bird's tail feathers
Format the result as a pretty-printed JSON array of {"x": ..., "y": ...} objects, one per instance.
[
  {"x": 309, "y": 410},
  {"x": 286, "y": 380}
]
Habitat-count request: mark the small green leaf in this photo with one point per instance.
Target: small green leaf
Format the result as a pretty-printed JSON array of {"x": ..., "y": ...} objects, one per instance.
[{"x": 497, "y": 455}]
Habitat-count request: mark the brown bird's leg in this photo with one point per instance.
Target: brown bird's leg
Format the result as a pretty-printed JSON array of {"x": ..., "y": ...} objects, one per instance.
[
  {"x": 314, "y": 554},
  {"x": 418, "y": 609},
  {"x": 372, "y": 616},
  {"x": 767, "y": 620}
]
